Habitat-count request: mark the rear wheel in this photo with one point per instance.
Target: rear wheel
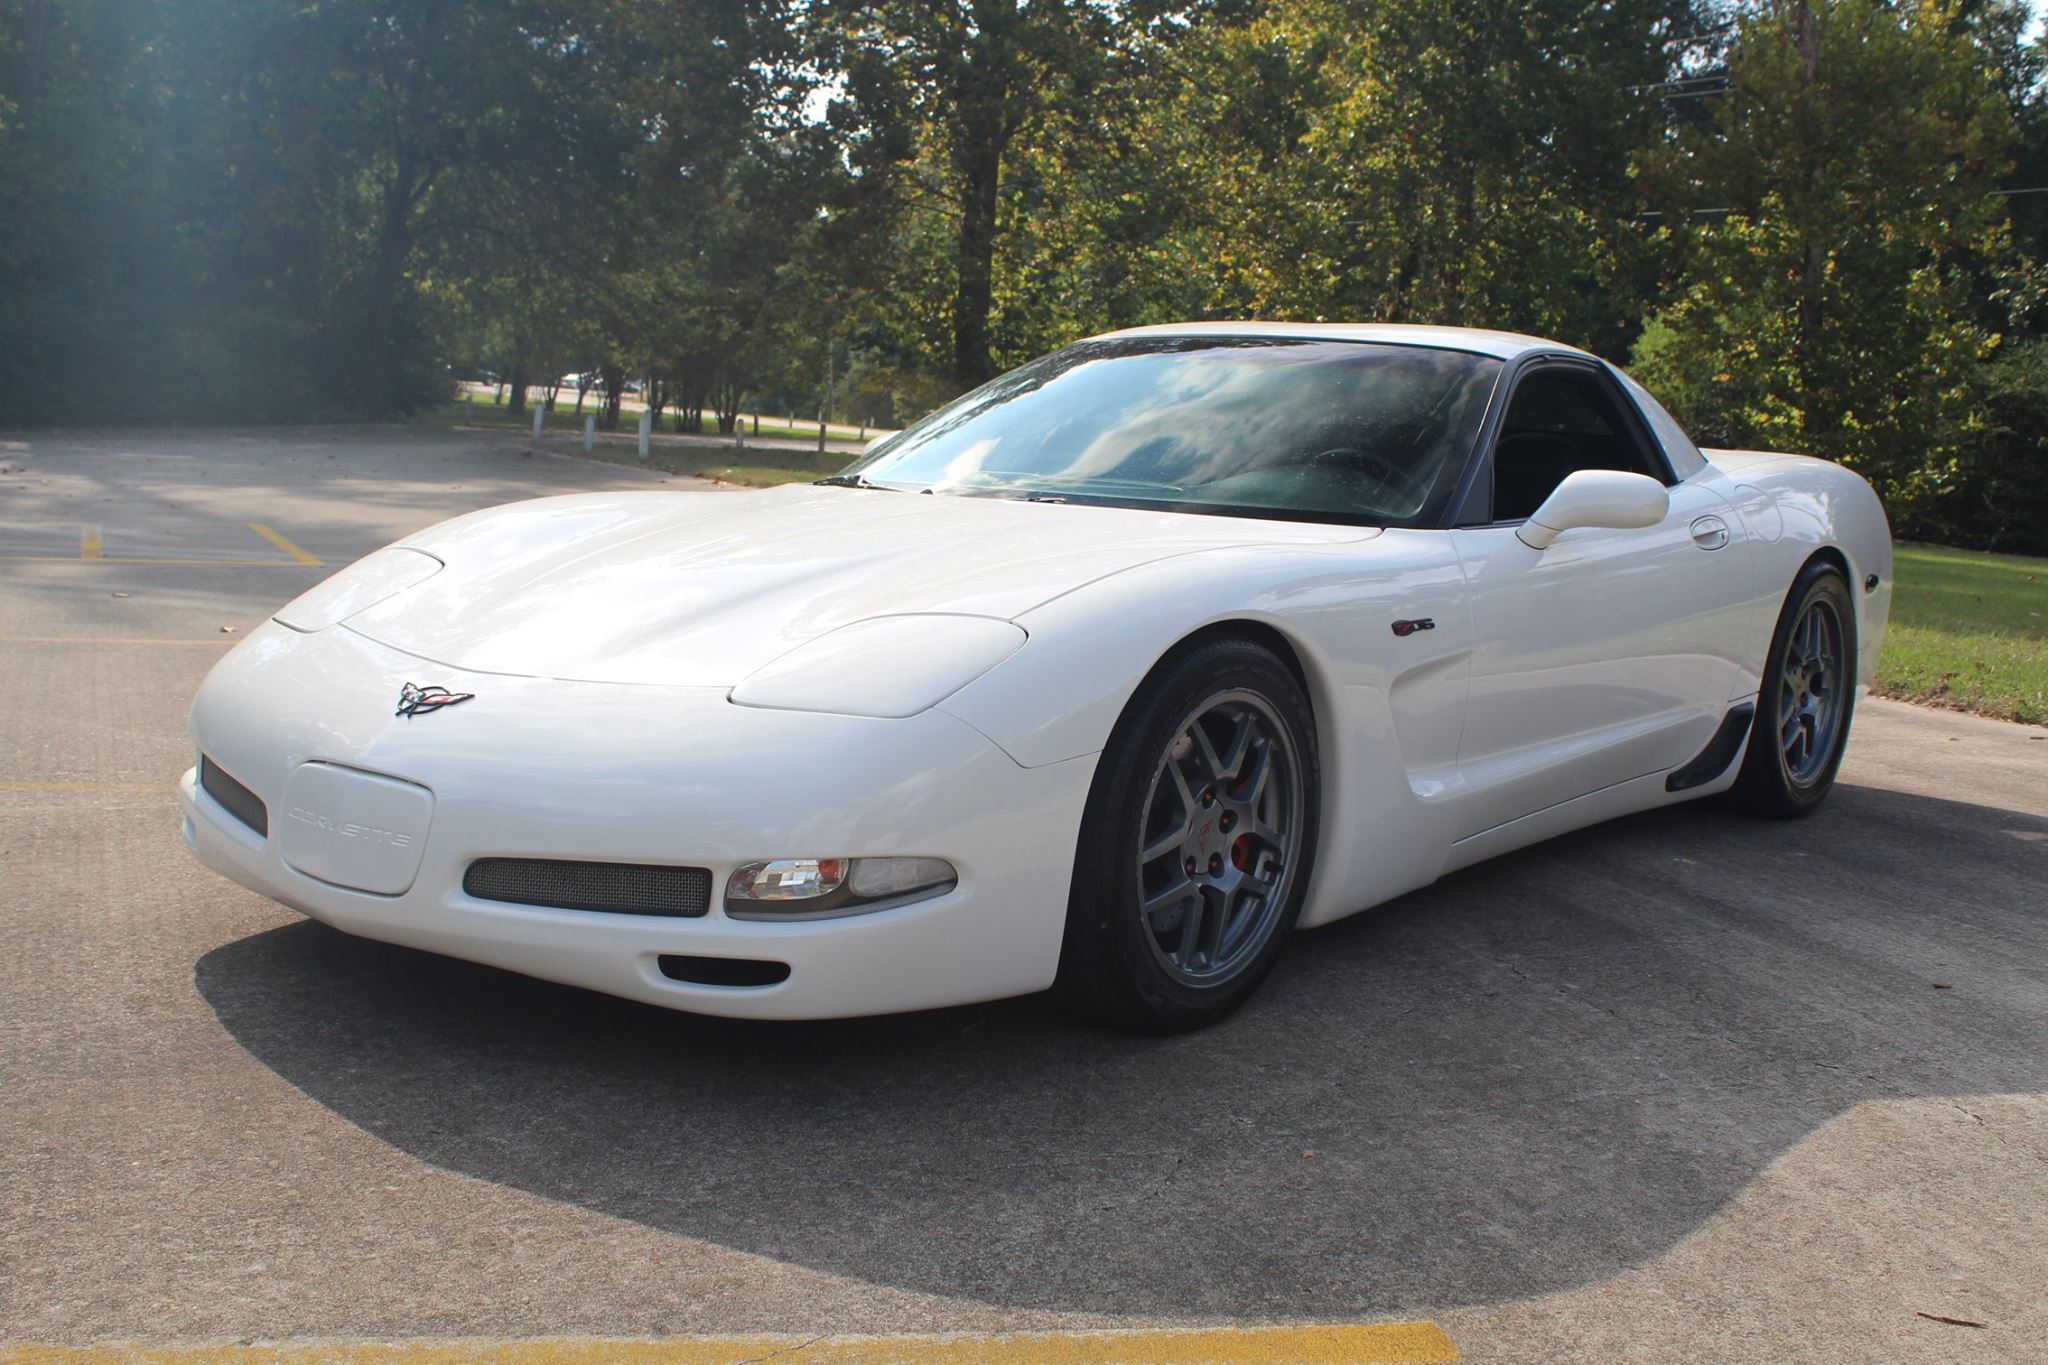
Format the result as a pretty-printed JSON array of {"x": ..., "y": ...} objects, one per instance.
[
  {"x": 1197, "y": 842},
  {"x": 1808, "y": 695}
]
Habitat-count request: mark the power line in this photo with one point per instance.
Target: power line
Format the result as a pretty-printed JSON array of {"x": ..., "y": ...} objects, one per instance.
[
  {"x": 1723, "y": 213},
  {"x": 1684, "y": 88}
]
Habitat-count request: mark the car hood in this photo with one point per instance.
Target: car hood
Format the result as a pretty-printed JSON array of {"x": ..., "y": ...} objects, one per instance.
[{"x": 700, "y": 589}]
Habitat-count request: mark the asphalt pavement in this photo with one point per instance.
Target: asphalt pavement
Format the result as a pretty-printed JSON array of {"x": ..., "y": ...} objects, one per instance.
[{"x": 1687, "y": 1086}]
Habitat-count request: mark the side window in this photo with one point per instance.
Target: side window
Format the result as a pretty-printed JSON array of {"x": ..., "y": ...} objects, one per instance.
[{"x": 1561, "y": 420}]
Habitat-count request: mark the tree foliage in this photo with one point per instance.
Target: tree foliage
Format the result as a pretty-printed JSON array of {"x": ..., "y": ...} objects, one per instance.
[
  {"x": 1461, "y": 164},
  {"x": 1812, "y": 223},
  {"x": 1831, "y": 227}
]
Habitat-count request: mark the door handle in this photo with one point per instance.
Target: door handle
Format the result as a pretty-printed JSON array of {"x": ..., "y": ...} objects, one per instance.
[{"x": 1710, "y": 533}]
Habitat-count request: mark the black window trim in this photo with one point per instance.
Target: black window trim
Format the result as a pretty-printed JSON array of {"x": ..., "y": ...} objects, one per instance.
[
  {"x": 1473, "y": 506},
  {"x": 1629, "y": 387}
]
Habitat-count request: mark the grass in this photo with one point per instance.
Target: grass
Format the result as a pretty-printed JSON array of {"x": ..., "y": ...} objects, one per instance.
[
  {"x": 489, "y": 410},
  {"x": 760, "y": 466},
  {"x": 763, "y": 467},
  {"x": 1968, "y": 631}
]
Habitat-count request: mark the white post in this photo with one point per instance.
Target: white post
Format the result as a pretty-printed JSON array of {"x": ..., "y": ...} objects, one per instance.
[
  {"x": 825, "y": 398},
  {"x": 739, "y": 433},
  {"x": 589, "y": 434},
  {"x": 646, "y": 426},
  {"x": 539, "y": 412}
]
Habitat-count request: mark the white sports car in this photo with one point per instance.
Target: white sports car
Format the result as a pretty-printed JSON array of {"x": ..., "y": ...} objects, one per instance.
[{"x": 1107, "y": 677}]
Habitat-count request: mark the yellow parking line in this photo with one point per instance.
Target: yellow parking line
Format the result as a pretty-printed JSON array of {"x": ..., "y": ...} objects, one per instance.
[
  {"x": 281, "y": 543},
  {"x": 1392, "y": 1343},
  {"x": 201, "y": 563},
  {"x": 89, "y": 543}
]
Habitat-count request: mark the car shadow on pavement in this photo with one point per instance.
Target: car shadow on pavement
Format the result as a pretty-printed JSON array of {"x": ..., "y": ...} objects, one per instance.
[{"x": 1532, "y": 1075}]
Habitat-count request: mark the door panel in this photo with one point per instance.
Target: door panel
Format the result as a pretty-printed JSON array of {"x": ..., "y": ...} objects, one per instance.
[{"x": 1607, "y": 656}]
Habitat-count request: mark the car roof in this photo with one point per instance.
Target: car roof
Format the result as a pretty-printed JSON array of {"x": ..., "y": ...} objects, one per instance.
[{"x": 1478, "y": 340}]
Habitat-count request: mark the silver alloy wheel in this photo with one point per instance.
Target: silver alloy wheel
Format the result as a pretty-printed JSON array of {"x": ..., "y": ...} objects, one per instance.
[
  {"x": 1221, "y": 837},
  {"x": 1810, "y": 693}
]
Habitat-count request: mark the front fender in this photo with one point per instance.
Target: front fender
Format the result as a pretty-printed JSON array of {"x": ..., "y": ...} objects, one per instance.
[{"x": 1388, "y": 708}]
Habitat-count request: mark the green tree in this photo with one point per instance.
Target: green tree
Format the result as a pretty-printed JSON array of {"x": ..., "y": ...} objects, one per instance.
[
  {"x": 937, "y": 95},
  {"x": 727, "y": 205},
  {"x": 2002, "y": 28},
  {"x": 1830, "y": 225},
  {"x": 1104, "y": 215},
  {"x": 91, "y": 304},
  {"x": 226, "y": 206},
  {"x": 414, "y": 98},
  {"x": 1473, "y": 166},
  {"x": 2000, "y": 496},
  {"x": 1404, "y": 160}
]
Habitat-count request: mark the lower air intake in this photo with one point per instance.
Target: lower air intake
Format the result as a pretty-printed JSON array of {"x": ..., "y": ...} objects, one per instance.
[
  {"x": 723, "y": 971},
  {"x": 609, "y": 888},
  {"x": 237, "y": 799}
]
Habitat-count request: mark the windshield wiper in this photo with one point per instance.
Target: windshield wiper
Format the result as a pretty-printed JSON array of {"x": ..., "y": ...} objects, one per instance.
[{"x": 856, "y": 481}]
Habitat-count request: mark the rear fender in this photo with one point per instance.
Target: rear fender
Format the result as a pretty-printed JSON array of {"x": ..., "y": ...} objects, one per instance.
[{"x": 1821, "y": 508}]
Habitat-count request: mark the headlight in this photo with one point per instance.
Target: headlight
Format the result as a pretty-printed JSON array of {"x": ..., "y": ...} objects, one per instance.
[
  {"x": 887, "y": 666},
  {"x": 825, "y": 888},
  {"x": 362, "y": 585}
]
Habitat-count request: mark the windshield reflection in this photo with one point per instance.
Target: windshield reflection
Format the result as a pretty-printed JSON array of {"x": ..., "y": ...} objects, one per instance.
[{"x": 1330, "y": 430}]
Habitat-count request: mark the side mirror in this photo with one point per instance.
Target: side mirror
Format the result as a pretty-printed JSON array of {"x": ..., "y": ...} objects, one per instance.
[{"x": 1611, "y": 498}]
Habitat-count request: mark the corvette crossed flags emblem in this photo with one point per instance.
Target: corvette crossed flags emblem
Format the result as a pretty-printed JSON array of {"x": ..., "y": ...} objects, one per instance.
[{"x": 414, "y": 699}]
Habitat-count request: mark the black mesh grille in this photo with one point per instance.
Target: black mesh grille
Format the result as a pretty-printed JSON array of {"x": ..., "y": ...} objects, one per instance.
[
  {"x": 615, "y": 888},
  {"x": 241, "y": 803}
]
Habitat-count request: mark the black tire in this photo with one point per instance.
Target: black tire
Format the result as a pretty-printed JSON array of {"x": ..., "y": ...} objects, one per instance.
[
  {"x": 1773, "y": 782},
  {"x": 1115, "y": 961}
]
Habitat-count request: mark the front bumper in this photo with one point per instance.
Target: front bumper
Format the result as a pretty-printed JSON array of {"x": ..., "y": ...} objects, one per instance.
[{"x": 545, "y": 768}]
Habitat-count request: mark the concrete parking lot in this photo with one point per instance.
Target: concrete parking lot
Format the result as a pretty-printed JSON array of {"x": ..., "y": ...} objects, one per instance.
[{"x": 1684, "y": 1087}]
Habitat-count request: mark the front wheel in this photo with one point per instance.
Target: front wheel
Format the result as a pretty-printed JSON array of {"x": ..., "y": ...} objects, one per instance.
[
  {"x": 1197, "y": 841},
  {"x": 1808, "y": 695}
]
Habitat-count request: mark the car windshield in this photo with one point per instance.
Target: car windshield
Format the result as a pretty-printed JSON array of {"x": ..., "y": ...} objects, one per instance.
[{"x": 1255, "y": 426}]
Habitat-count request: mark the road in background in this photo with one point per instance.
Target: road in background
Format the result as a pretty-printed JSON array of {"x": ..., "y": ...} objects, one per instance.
[{"x": 1686, "y": 1086}]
